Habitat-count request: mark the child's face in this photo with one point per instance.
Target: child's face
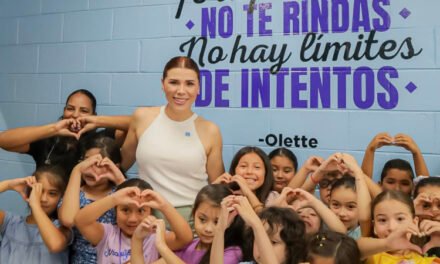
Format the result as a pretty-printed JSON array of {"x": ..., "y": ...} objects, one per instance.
[
  {"x": 283, "y": 172},
  {"x": 343, "y": 202},
  {"x": 432, "y": 208},
  {"x": 389, "y": 215},
  {"x": 251, "y": 168},
  {"x": 205, "y": 220},
  {"x": 88, "y": 175},
  {"x": 310, "y": 219},
  {"x": 279, "y": 246},
  {"x": 50, "y": 195},
  {"x": 398, "y": 180},
  {"x": 128, "y": 217},
  {"x": 325, "y": 185}
]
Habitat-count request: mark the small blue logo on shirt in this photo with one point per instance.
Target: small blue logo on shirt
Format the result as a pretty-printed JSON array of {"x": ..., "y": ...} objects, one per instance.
[{"x": 187, "y": 134}]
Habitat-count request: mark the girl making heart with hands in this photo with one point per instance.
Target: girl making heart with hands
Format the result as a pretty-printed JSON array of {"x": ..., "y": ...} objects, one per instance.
[
  {"x": 252, "y": 176},
  {"x": 394, "y": 223},
  {"x": 38, "y": 237},
  {"x": 92, "y": 179},
  {"x": 133, "y": 201}
]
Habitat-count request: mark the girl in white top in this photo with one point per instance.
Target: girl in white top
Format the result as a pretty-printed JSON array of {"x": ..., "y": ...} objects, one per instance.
[{"x": 177, "y": 151}]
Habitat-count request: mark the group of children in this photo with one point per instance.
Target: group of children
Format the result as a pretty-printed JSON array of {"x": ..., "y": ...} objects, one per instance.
[{"x": 263, "y": 211}]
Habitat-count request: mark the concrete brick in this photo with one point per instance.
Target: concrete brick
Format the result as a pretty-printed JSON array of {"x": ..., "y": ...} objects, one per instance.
[
  {"x": 115, "y": 56},
  {"x": 48, "y": 113},
  {"x": 8, "y": 31},
  {"x": 98, "y": 4},
  {"x": 365, "y": 125},
  {"x": 116, "y": 110},
  {"x": 40, "y": 29},
  {"x": 141, "y": 22},
  {"x": 255, "y": 122},
  {"x": 88, "y": 26},
  {"x": 18, "y": 59},
  {"x": 10, "y": 8},
  {"x": 98, "y": 84},
  {"x": 60, "y": 58},
  {"x": 7, "y": 88},
  {"x": 53, "y": 6},
  {"x": 146, "y": 87},
  {"x": 42, "y": 88},
  {"x": 159, "y": 51},
  {"x": 14, "y": 156},
  {"x": 16, "y": 115},
  {"x": 321, "y": 125},
  {"x": 12, "y": 201}
]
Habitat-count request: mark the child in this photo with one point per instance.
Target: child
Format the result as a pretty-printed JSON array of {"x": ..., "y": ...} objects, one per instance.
[
  {"x": 284, "y": 166},
  {"x": 350, "y": 199},
  {"x": 427, "y": 208},
  {"x": 252, "y": 172},
  {"x": 37, "y": 238},
  {"x": 278, "y": 235},
  {"x": 394, "y": 221},
  {"x": 207, "y": 219},
  {"x": 333, "y": 247},
  {"x": 99, "y": 174},
  {"x": 397, "y": 174},
  {"x": 312, "y": 211},
  {"x": 133, "y": 200}
]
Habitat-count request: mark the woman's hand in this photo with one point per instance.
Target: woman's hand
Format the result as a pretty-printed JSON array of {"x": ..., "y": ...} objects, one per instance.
[
  {"x": 69, "y": 127},
  {"x": 21, "y": 185},
  {"x": 87, "y": 123}
]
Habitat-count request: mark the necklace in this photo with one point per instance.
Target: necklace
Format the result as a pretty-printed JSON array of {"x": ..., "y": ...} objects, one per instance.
[{"x": 47, "y": 160}]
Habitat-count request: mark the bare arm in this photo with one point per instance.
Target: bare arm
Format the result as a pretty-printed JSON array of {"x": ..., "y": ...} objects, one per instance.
[
  {"x": 85, "y": 219},
  {"x": 300, "y": 177},
  {"x": 56, "y": 239},
  {"x": 409, "y": 144},
  {"x": 19, "y": 139},
  {"x": 214, "y": 163},
  {"x": 381, "y": 139},
  {"x": 128, "y": 149}
]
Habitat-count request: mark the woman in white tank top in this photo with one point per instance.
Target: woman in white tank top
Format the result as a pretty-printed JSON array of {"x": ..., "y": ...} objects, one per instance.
[{"x": 177, "y": 151}]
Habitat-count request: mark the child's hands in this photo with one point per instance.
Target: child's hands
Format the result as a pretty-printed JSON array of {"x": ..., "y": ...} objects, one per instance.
[
  {"x": 245, "y": 210},
  {"x": 284, "y": 199},
  {"x": 406, "y": 142},
  {"x": 224, "y": 178},
  {"x": 399, "y": 238},
  {"x": 351, "y": 164},
  {"x": 244, "y": 188},
  {"x": 313, "y": 163},
  {"x": 153, "y": 200},
  {"x": 380, "y": 140},
  {"x": 86, "y": 166},
  {"x": 127, "y": 196},
  {"x": 113, "y": 173},
  {"x": 227, "y": 213},
  {"x": 35, "y": 196},
  {"x": 145, "y": 228},
  {"x": 160, "y": 233},
  {"x": 432, "y": 229},
  {"x": 21, "y": 185},
  {"x": 303, "y": 199},
  {"x": 422, "y": 205}
]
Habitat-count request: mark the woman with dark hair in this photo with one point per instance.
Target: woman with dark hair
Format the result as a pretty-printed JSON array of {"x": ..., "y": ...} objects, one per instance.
[
  {"x": 57, "y": 143},
  {"x": 177, "y": 151}
]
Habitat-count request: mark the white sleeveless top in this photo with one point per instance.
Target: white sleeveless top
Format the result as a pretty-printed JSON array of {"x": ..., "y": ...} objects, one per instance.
[{"x": 172, "y": 159}]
